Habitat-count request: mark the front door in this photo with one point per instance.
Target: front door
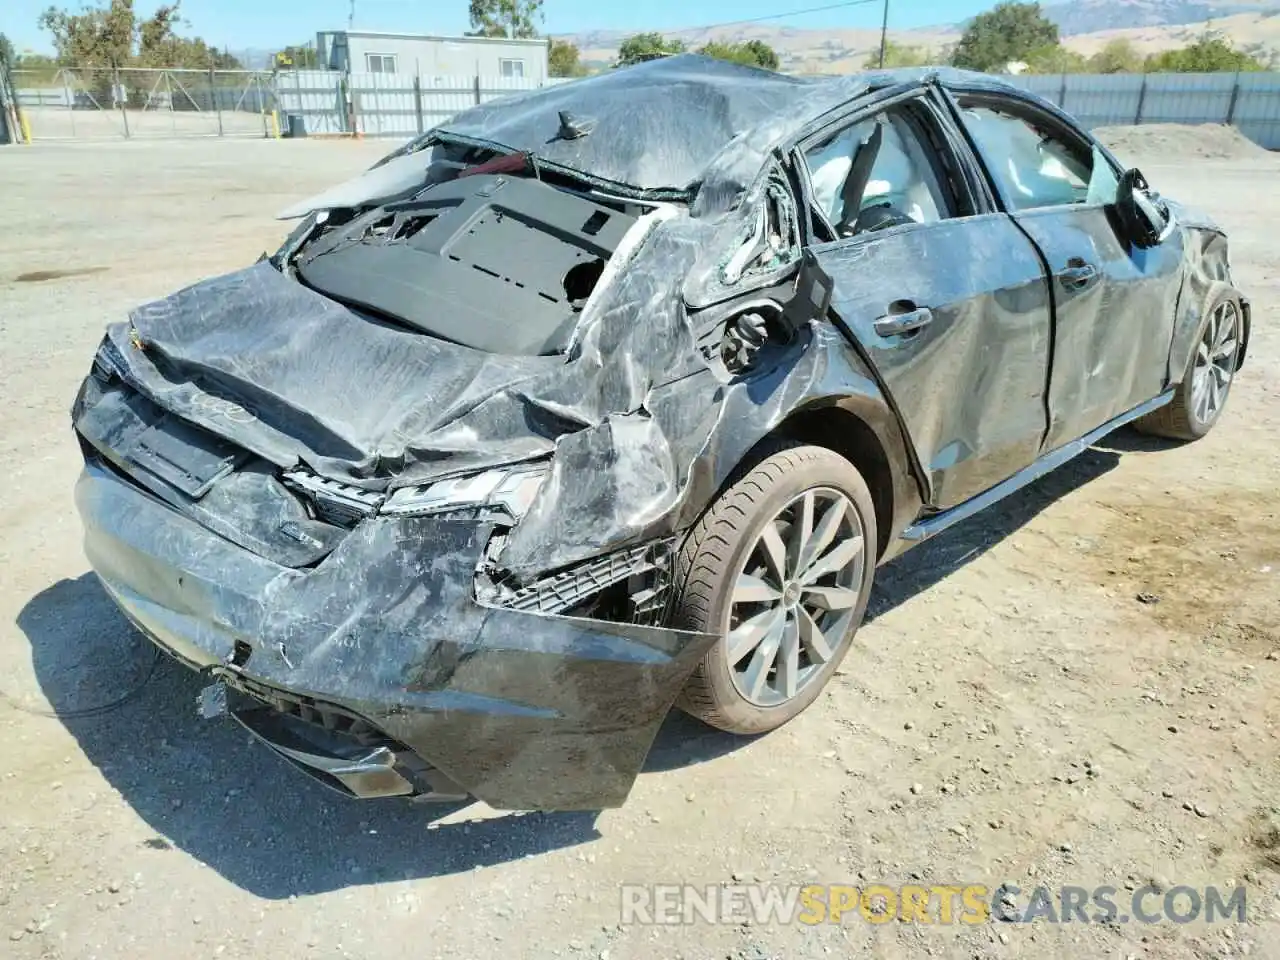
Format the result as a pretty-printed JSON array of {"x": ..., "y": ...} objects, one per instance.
[
  {"x": 1114, "y": 304},
  {"x": 951, "y": 307}
]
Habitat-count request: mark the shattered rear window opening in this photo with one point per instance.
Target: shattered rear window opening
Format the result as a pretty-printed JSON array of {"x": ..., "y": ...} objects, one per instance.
[{"x": 499, "y": 263}]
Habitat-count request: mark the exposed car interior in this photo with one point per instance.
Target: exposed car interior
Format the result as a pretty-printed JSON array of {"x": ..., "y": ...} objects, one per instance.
[
  {"x": 875, "y": 174},
  {"x": 502, "y": 264},
  {"x": 1035, "y": 167}
]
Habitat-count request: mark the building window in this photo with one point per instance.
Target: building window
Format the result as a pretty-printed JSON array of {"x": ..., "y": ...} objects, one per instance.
[
  {"x": 380, "y": 62},
  {"x": 512, "y": 68}
]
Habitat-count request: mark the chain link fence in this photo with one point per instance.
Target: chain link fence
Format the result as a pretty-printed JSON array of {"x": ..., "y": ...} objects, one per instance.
[
  {"x": 89, "y": 104},
  {"x": 70, "y": 104}
]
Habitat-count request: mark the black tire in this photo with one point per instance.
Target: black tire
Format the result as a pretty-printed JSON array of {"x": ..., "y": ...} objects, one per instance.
[
  {"x": 714, "y": 554},
  {"x": 1178, "y": 419}
]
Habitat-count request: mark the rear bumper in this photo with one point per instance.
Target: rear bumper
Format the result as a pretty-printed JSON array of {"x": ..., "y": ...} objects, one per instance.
[{"x": 521, "y": 710}]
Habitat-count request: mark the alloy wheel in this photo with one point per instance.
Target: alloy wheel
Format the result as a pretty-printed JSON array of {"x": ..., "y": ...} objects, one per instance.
[
  {"x": 796, "y": 596},
  {"x": 1215, "y": 363}
]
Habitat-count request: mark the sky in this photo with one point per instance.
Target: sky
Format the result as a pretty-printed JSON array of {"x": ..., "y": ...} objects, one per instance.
[{"x": 269, "y": 24}]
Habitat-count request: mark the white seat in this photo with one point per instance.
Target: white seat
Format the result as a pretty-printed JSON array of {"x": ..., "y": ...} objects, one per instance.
[{"x": 898, "y": 179}]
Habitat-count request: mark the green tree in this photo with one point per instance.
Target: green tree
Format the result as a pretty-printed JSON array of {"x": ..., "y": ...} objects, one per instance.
[
  {"x": 1010, "y": 33},
  {"x": 7, "y": 57},
  {"x": 562, "y": 60},
  {"x": 297, "y": 58},
  {"x": 159, "y": 46},
  {"x": 753, "y": 53},
  {"x": 1055, "y": 58},
  {"x": 113, "y": 36},
  {"x": 37, "y": 68},
  {"x": 646, "y": 46},
  {"x": 505, "y": 18},
  {"x": 1118, "y": 56},
  {"x": 95, "y": 37},
  {"x": 184, "y": 53},
  {"x": 1210, "y": 53},
  {"x": 35, "y": 61},
  {"x": 899, "y": 55}
]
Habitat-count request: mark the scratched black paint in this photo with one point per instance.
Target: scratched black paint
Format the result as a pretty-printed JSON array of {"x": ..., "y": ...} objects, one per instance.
[{"x": 641, "y": 426}]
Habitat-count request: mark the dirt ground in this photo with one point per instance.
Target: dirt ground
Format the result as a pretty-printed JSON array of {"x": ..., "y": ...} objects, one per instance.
[
  {"x": 1170, "y": 142},
  {"x": 1013, "y": 713}
]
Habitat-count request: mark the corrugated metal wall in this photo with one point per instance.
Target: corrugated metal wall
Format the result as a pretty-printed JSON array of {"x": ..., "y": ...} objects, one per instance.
[
  {"x": 316, "y": 96},
  {"x": 386, "y": 104},
  {"x": 1249, "y": 101},
  {"x": 392, "y": 105},
  {"x": 1257, "y": 109}
]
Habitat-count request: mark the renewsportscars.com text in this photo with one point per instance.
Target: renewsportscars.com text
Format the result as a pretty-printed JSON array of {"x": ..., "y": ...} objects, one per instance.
[{"x": 943, "y": 904}]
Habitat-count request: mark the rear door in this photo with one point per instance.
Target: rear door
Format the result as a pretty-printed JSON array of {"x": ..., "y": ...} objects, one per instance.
[
  {"x": 948, "y": 303},
  {"x": 1114, "y": 304}
]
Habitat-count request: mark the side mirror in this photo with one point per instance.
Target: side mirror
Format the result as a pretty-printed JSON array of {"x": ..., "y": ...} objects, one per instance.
[{"x": 1145, "y": 219}]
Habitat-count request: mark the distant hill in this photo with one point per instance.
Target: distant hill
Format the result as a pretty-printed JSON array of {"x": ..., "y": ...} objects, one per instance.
[
  {"x": 801, "y": 51},
  {"x": 1092, "y": 16},
  {"x": 1086, "y": 25}
]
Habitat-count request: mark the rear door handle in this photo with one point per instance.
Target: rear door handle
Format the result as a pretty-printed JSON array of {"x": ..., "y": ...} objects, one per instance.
[
  {"x": 896, "y": 324},
  {"x": 1077, "y": 274}
]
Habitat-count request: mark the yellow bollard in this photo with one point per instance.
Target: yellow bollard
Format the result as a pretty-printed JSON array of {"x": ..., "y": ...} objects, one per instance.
[
  {"x": 25, "y": 125},
  {"x": 275, "y": 124}
]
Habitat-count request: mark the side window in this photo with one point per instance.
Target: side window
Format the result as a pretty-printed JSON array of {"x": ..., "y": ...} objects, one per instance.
[
  {"x": 1033, "y": 166},
  {"x": 873, "y": 174},
  {"x": 380, "y": 62}
]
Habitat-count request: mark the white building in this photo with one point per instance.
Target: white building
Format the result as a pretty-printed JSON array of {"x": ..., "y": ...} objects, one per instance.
[{"x": 356, "y": 51}]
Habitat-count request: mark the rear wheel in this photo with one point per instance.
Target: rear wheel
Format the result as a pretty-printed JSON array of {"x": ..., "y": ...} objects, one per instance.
[
  {"x": 780, "y": 567},
  {"x": 1202, "y": 395}
]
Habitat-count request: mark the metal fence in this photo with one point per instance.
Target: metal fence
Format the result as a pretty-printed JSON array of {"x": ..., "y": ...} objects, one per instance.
[
  {"x": 63, "y": 104},
  {"x": 1248, "y": 101},
  {"x": 384, "y": 104},
  {"x": 66, "y": 104},
  {"x": 85, "y": 104}
]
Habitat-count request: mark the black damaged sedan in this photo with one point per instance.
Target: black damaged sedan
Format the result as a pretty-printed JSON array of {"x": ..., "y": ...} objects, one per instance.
[{"x": 613, "y": 396}]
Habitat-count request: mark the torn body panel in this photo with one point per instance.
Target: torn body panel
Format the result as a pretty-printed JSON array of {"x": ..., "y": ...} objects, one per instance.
[
  {"x": 637, "y": 428},
  {"x": 632, "y": 405},
  {"x": 521, "y": 709},
  {"x": 1206, "y": 272}
]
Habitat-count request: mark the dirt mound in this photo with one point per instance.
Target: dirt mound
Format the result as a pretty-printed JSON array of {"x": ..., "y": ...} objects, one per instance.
[{"x": 1167, "y": 142}]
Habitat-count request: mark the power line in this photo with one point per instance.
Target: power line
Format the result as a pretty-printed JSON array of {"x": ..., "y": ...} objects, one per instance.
[
  {"x": 776, "y": 16},
  {"x": 712, "y": 26}
]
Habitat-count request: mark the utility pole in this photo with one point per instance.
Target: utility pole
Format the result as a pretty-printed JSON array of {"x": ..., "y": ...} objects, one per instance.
[
  {"x": 351, "y": 16},
  {"x": 884, "y": 33}
]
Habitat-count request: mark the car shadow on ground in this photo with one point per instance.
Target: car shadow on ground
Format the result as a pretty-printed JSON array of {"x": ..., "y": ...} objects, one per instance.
[
  {"x": 207, "y": 789},
  {"x": 927, "y": 564}
]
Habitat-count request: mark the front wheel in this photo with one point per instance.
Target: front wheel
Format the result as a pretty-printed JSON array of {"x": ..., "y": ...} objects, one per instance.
[
  {"x": 780, "y": 566},
  {"x": 1201, "y": 397}
]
